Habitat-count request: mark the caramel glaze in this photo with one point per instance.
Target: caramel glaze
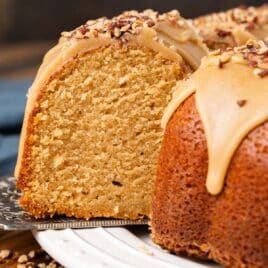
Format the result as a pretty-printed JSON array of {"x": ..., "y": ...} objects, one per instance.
[{"x": 232, "y": 99}]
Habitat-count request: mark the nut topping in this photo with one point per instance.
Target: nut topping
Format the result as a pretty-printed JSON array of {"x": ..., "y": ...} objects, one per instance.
[
  {"x": 253, "y": 54},
  {"x": 222, "y": 29},
  {"x": 129, "y": 22},
  {"x": 241, "y": 103}
]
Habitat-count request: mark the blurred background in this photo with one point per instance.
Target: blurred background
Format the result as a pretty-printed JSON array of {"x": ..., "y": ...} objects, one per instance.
[{"x": 28, "y": 28}]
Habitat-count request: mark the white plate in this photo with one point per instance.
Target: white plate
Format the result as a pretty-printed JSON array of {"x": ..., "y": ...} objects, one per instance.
[{"x": 110, "y": 247}]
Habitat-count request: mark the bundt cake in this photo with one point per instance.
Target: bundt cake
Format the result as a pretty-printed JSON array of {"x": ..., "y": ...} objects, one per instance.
[
  {"x": 211, "y": 193},
  {"x": 233, "y": 27},
  {"x": 91, "y": 132}
]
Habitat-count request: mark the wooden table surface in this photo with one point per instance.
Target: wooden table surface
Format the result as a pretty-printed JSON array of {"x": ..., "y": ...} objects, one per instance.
[{"x": 20, "y": 61}]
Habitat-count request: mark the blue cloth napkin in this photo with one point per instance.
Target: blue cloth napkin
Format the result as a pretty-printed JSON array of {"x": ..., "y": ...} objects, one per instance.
[{"x": 12, "y": 105}]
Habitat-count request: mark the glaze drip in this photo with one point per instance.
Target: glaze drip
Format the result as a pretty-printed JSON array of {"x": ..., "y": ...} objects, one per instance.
[{"x": 232, "y": 99}]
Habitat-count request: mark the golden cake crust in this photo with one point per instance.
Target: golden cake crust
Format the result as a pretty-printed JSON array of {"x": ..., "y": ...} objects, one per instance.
[{"x": 231, "y": 228}]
